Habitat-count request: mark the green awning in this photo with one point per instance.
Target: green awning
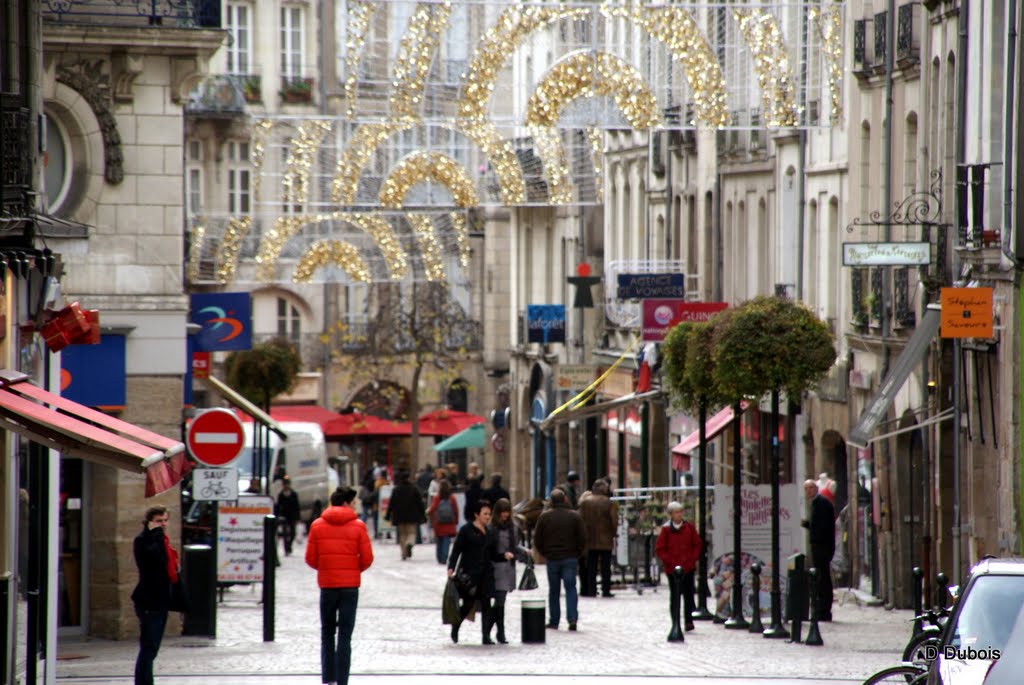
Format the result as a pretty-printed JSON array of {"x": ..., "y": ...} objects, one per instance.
[{"x": 474, "y": 436}]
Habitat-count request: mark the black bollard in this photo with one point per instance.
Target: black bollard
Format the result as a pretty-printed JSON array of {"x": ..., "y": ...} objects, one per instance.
[
  {"x": 814, "y": 633},
  {"x": 675, "y": 599},
  {"x": 941, "y": 589},
  {"x": 269, "y": 562},
  {"x": 755, "y": 598},
  {"x": 918, "y": 596}
]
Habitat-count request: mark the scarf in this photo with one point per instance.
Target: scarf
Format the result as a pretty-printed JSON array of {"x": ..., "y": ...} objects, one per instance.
[{"x": 172, "y": 561}]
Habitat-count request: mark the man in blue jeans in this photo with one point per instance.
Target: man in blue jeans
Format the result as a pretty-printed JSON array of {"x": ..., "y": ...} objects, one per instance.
[
  {"x": 561, "y": 539},
  {"x": 158, "y": 571},
  {"x": 339, "y": 548}
]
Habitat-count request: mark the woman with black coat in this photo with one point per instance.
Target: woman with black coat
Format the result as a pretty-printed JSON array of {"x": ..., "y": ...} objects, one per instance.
[
  {"x": 474, "y": 552},
  {"x": 504, "y": 529}
]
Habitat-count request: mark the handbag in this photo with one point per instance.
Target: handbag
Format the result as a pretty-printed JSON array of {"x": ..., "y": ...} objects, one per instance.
[
  {"x": 528, "y": 581},
  {"x": 450, "y": 604},
  {"x": 179, "y": 600},
  {"x": 463, "y": 581}
]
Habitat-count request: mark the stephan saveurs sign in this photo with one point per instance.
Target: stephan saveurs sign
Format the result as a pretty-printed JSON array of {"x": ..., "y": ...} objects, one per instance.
[
  {"x": 886, "y": 254},
  {"x": 545, "y": 323},
  {"x": 644, "y": 286}
]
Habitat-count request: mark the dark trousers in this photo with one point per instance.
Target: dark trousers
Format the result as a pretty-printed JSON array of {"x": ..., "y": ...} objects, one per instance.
[
  {"x": 823, "y": 593},
  {"x": 684, "y": 587},
  {"x": 595, "y": 557},
  {"x": 337, "y": 619},
  {"x": 151, "y": 632},
  {"x": 287, "y": 530}
]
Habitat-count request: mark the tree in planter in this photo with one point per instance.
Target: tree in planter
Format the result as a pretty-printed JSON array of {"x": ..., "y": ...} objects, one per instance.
[
  {"x": 416, "y": 333},
  {"x": 688, "y": 362},
  {"x": 772, "y": 344}
]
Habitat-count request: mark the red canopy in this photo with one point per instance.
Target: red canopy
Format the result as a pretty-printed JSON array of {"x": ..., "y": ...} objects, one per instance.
[
  {"x": 354, "y": 425},
  {"x": 447, "y": 422},
  {"x": 310, "y": 413}
]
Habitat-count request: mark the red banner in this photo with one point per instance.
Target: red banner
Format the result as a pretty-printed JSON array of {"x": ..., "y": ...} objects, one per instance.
[{"x": 661, "y": 315}]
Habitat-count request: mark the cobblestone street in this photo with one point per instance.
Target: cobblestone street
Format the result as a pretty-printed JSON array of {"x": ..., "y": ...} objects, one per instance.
[{"x": 399, "y": 632}]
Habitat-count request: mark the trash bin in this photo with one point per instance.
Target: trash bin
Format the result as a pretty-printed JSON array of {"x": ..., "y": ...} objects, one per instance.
[
  {"x": 796, "y": 585},
  {"x": 533, "y": 620},
  {"x": 200, "y": 577}
]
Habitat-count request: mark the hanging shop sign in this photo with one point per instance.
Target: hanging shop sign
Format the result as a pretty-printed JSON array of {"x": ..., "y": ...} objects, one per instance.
[
  {"x": 966, "y": 313},
  {"x": 545, "y": 323},
  {"x": 887, "y": 254},
  {"x": 644, "y": 286},
  {"x": 660, "y": 315}
]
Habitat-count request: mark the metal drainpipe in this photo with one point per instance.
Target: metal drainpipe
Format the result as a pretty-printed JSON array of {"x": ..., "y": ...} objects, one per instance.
[
  {"x": 890, "y": 46},
  {"x": 801, "y": 193},
  {"x": 1009, "y": 132}
]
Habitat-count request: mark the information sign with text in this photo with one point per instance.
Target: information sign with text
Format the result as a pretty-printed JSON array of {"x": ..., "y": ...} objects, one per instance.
[
  {"x": 966, "y": 313},
  {"x": 887, "y": 254},
  {"x": 240, "y": 540},
  {"x": 643, "y": 286},
  {"x": 660, "y": 315}
]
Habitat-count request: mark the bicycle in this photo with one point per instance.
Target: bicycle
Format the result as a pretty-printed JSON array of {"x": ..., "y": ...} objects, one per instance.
[
  {"x": 904, "y": 674},
  {"x": 923, "y": 645},
  {"x": 215, "y": 489}
]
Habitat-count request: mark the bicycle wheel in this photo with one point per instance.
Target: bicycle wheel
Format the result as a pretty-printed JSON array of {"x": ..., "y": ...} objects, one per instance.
[
  {"x": 923, "y": 647},
  {"x": 904, "y": 674}
]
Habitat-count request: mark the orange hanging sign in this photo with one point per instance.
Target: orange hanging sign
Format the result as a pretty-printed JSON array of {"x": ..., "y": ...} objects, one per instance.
[{"x": 966, "y": 313}]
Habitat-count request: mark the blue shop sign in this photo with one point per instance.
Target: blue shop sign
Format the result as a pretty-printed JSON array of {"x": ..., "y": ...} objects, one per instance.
[
  {"x": 645, "y": 286},
  {"x": 545, "y": 323},
  {"x": 225, "y": 320},
  {"x": 94, "y": 375}
]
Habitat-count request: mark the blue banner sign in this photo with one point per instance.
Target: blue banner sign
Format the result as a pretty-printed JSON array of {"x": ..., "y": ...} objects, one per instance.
[
  {"x": 645, "y": 286},
  {"x": 226, "y": 321},
  {"x": 545, "y": 323},
  {"x": 94, "y": 375}
]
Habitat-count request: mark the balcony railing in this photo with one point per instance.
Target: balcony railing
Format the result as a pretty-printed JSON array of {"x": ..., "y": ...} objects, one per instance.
[
  {"x": 907, "y": 49},
  {"x": 219, "y": 95},
  {"x": 866, "y": 289},
  {"x": 203, "y": 14},
  {"x": 15, "y": 156},
  {"x": 860, "y": 44},
  {"x": 880, "y": 39}
]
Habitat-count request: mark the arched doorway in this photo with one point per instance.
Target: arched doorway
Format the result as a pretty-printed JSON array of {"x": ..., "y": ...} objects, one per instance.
[
  {"x": 458, "y": 395},
  {"x": 385, "y": 399}
]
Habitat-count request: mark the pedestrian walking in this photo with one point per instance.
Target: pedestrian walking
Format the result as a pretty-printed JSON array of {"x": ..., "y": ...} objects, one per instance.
[
  {"x": 496, "y": 491},
  {"x": 571, "y": 488},
  {"x": 561, "y": 538},
  {"x": 288, "y": 513},
  {"x": 473, "y": 554},
  {"x": 679, "y": 544},
  {"x": 405, "y": 511},
  {"x": 506, "y": 537},
  {"x": 444, "y": 518},
  {"x": 339, "y": 548},
  {"x": 822, "y": 526},
  {"x": 474, "y": 492},
  {"x": 157, "y": 562},
  {"x": 601, "y": 520}
]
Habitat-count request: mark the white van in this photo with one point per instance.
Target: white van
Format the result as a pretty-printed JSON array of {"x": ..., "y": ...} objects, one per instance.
[{"x": 303, "y": 457}]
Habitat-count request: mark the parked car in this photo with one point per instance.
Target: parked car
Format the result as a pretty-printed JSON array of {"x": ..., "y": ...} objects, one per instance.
[{"x": 977, "y": 634}]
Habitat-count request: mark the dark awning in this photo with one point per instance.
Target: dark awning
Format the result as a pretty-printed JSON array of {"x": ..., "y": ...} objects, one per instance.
[{"x": 911, "y": 356}]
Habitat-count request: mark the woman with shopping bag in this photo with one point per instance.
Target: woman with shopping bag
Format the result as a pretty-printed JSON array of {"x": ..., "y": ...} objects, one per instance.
[
  {"x": 470, "y": 564},
  {"x": 504, "y": 528}
]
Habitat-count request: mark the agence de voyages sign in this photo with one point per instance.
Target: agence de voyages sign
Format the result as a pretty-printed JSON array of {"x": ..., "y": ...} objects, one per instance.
[{"x": 887, "y": 254}]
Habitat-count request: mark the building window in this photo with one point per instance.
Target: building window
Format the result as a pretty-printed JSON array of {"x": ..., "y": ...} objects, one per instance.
[
  {"x": 56, "y": 164},
  {"x": 238, "y": 23},
  {"x": 194, "y": 177},
  {"x": 292, "y": 43},
  {"x": 289, "y": 321},
  {"x": 239, "y": 181}
]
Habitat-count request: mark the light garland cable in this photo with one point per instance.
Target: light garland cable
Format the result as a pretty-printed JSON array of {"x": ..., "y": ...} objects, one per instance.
[
  {"x": 326, "y": 252},
  {"x": 357, "y": 153},
  {"x": 360, "y": 14},
  {"x": 430, "y": 249},
  {"x": 422, "y": 165},
  {"x": 384, "y": 238},
  {"x": 548, "y": 143},
  {"x": 461, "y": 230},
  {"x": 829, "y": 21},
  {"x": 230, "y": 244},
  {"x": 596, "y": 139},
  {"x": 195, "y": 250},
  {"x": 302, "y": 153},
  {"x": 761, "y": 31},
  {"x": 257, "y": 153},
  {"x": 415, "y": 54}
]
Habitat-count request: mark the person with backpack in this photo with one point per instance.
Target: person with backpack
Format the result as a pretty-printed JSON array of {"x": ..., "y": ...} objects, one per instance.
[{"x": 444, "y": 518}]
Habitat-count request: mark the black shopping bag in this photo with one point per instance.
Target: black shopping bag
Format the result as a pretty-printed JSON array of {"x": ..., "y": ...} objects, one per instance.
[
  {"x": 450, "y": 604},
  {"x": 529, "y": 579}
]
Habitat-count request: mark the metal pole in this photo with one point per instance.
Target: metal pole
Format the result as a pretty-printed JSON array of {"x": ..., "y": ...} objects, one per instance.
[
  {"x": 701, "y": 613},
  {"x": 736, "y": 621},
  {"x": 956, "y": 462},
  {"x": 776, "y": 629},
  {"x": 269, "y": 562}
]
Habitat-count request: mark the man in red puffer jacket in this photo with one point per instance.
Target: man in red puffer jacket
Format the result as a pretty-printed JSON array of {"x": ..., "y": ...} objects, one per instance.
[
  {"x": 679, "y": 544},
  {"x": 339, "y": 548}
]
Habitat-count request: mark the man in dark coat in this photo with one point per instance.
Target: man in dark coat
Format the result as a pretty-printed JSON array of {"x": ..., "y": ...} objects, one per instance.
[
  {"x": 496, "y": 492},
  {"x": 406, "y": 512},
  {"x": 601, "y": 519},
  {"x": 474, "y": 493},
  {"x": 571, "y": 488},
  {"x": 288, "y": 511},
  {"x": 822, "y": 527},
  {"x": 561, "y": 539},
  {"x": 157, "y": 562}
]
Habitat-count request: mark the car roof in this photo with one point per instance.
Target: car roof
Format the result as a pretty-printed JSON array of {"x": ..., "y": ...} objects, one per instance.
[{"x": 1008, "y": 566}]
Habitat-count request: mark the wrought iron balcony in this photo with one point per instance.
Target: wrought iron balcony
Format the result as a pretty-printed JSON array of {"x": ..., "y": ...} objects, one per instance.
[
  {"x": 15, "y": 157},
  {"x": 860, "y": 44},
  {"x": 223, "y": 95},
  {"x": 204, "y": 14},
  {"x": 881, "y": 35},
  {"x": 907, "y": 49},
  {"x": 866, "y": 286}
]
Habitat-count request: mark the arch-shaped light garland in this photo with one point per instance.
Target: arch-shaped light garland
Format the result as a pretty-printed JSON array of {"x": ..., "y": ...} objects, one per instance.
[
  {"x": 763, "y": 35},
  {"x": 415, "y": 54},
  {"x": 430, "y": 249},
  {"x": 360, "y": 14},
  {"x": 422, "y": 165},
  {"x": 829, "y": 20},
  {"x": 325, "y": 252},
  {"x": 301, "y": 155}
]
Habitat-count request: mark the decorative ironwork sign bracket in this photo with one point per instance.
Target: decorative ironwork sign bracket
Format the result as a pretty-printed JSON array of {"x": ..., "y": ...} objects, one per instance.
[{"x": 921, "y": 208}]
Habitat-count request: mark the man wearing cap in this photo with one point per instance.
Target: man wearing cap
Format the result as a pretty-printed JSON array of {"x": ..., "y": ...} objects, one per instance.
[{"x": 571, "y": 488}]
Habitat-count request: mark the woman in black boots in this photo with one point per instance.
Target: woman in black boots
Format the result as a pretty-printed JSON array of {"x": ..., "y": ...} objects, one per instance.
[
  {"x": 473, "y": 553},
  {"x": 504, "y": 529}
]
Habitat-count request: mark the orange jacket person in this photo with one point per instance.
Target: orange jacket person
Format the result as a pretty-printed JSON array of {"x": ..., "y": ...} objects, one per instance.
[{"x": 339, "y": 548}]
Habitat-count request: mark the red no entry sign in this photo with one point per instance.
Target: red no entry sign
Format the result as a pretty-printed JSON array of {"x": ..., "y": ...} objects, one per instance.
[{"x": 215, "y": 437}]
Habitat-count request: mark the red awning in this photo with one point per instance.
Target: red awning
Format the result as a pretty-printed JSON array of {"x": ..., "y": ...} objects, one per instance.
[
  {"x": 712, "y": 427},
  {"x": 447, "y": 422},
  {"x": 356, "y": 425},
  {"x": 78, "y": 431}
]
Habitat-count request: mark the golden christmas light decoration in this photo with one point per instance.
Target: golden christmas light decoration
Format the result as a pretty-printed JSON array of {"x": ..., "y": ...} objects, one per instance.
[
  {"x": 589, "y": 73},
  {"x": 257, "y": 152},
  {"x": 762, "y": 34},
  {"x": 502, "y": 158},
  {"x": 548, "y": 142},
  {"x": 421, "y": 165},
  {"x": 359, "y": 16},
  {"x": 430, "y": 249},
  {"x": 415, "y": 55},
  {"x": 829, "y": 20},
  {"x": 195, "y": 250},
  {"x": 596, "y": 139},
  {"x": 326, "y": 252},
  {"x": 366, "y": 139},
  {"x": 273, "y": 242},
  {"x": 230, "y": 245},
  {"x": 678, "y": 29},
  {"x": 461, "y": 230},
  {"x": 384, "y": 237},
  {"x": 302, "y": 153}
]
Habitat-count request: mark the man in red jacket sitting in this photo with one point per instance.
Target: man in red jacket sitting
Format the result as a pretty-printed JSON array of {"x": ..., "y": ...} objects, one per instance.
[
  {"x": 339, "y": 548},
  {"x": 679, "y": 545}
]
